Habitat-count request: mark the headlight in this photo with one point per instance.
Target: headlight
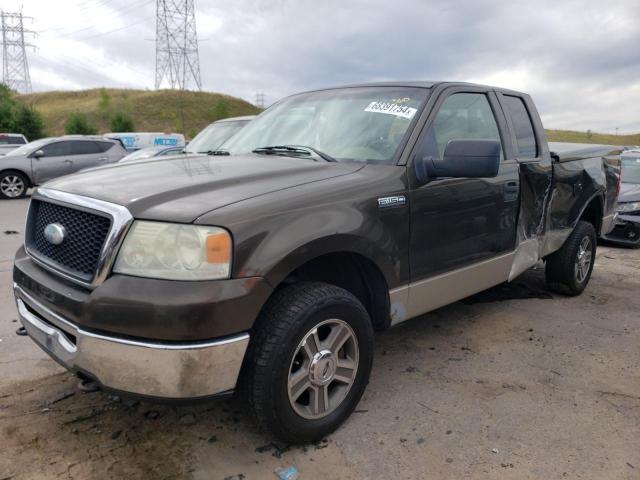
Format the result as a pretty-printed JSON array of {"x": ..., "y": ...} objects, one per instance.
[
  {"x": 175, "y": 252},
  {"x": 628, "y": 207}
]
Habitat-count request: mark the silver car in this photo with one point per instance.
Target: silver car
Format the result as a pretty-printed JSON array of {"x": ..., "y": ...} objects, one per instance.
[{"x": 36, "y": 162}]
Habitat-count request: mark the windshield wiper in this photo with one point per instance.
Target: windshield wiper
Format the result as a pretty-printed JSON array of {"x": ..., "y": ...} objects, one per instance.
[
  {"x": 216, "y": 152},
  {"x": 294, "y": 149}
]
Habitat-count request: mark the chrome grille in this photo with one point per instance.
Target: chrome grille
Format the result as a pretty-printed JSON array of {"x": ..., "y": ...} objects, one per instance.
[{"x": 86, "y": 233}]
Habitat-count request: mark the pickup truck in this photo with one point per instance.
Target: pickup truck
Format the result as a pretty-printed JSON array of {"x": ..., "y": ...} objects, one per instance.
[{"x": 265, "y": 267}]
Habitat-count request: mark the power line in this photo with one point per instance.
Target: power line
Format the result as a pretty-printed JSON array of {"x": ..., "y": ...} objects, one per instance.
[
  {"x": 15, "y": 68},
  {"x": 177, "y": 60}
]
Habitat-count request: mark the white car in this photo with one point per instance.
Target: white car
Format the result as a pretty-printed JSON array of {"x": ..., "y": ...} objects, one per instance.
[{"x": 11, "y": 141}]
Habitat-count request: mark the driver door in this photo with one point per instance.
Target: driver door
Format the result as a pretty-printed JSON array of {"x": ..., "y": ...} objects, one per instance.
[
  {"x": 55, "y": 162},
  {"x": 461, "y": 222}
]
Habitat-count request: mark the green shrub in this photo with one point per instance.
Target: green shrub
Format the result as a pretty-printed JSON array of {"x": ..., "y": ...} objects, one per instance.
[
  {"x": 78, "y": 124},
  {"x": 122, "y": 123}
]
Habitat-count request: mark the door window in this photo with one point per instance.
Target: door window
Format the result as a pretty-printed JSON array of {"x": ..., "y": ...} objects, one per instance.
[
  {"x": 525, "y": 136},
  {"x": 462, "y": 116},
  {"x": 84, "y": 148},
  {"x": 58, "y": 149}
]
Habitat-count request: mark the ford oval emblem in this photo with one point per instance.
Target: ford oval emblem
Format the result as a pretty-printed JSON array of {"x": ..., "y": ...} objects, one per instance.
[{"x": 54, "y": 233}]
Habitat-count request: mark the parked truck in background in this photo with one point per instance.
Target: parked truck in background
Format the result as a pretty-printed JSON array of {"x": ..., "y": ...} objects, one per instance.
[
  {"x": 11, "y": 141},
  {"x": 266, "y": 267}
]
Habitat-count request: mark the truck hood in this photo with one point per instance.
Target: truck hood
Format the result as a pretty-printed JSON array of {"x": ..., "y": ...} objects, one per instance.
[{"x": 181, "y": 189}]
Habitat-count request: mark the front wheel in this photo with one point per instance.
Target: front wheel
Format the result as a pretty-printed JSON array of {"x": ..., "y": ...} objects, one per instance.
[
  {"x": 569, "y": 269},
  {"x": 13, "y": 185},
  {"x": 308, "y": 362}
]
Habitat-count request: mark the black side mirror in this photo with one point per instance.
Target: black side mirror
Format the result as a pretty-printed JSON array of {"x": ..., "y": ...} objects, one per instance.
[
  {"x": 462, "y": 158},
  {"x": 38, "y": 154}
]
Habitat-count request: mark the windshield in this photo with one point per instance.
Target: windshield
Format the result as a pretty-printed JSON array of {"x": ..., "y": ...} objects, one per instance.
[
  {"x": 365, "y": 124},
  {"x": 142, "y": 153},
  {"x": 212, "y": 137},
  {"x": 631, "y": 169},
  {"x": 29, "y": 147}
]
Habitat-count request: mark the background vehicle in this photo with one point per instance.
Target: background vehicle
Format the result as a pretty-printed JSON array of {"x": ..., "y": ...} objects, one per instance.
[
  {"x": 151, "y": 152},
  {"x": 36, "y": 162},
  {"x": 11, "y": 141},
  {"x": 212, "y": 137},
  {"x": 627, "y": 228},
  {"x": 339, "y": 211},
  {"x": 136, "y": 140}
]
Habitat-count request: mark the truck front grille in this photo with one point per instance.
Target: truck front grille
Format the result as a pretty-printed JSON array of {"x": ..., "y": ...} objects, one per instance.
[{"x": 85, "y": 236}]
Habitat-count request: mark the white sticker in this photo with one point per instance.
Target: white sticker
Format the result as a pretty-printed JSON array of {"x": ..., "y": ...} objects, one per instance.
[{"x": 391, "y": 109}]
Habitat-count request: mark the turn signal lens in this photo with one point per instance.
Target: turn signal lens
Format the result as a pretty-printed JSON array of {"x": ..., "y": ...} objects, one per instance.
[{"x": 219, "y": 248}]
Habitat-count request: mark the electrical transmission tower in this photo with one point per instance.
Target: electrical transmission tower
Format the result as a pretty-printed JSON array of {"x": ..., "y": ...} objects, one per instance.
[
  {"x": 177, "y": 60},
  {"x": 15, "y": 69},
  {"x": 260, "y": 99}
]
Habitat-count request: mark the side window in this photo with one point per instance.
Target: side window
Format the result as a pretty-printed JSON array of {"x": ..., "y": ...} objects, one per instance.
[
  {"x": 57, "y": 149},
  {"x": 525, "y": 136},
  {"x": 104, "y": 146},
  {"x": 461, "y": 116},
  {"x": 80, "y": 147}
]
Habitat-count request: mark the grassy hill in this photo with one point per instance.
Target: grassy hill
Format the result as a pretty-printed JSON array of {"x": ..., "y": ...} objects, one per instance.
[
  {"x": 584, "y": 137},
  {"x": 157, "y": 110}
]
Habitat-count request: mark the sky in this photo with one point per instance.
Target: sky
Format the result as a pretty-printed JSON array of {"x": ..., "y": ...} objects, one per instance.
[{"x": 579, "y": 59}]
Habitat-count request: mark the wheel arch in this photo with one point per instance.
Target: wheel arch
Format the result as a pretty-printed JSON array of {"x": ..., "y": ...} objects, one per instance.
[
  {"x": 360, "y": 272},
  {"x": 21, "y": 172},
  {"x": 593, "y": 212}
]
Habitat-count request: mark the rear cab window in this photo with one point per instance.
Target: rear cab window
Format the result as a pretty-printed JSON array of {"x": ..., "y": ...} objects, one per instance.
[
  {"x": 12, "y": 140},
  {"x": 527, "y": 146}
]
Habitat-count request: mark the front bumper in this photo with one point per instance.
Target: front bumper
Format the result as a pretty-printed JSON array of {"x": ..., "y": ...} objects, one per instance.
[
  {"x": 626, "y": 231},
  {"x": 184, "y": 370}
]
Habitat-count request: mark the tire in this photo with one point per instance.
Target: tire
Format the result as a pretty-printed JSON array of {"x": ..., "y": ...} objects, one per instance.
[
  {"x": 13, "y": 185},
  {"x": 280, "y": 348},
  {"x": 569, "y": 269}
]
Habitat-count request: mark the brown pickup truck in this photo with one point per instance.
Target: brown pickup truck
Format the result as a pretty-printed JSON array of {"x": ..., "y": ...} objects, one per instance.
[{"x": 266, "y": 266}]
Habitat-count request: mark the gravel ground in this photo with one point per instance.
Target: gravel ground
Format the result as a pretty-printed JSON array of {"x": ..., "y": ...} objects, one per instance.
[{"x": 512, "y": 383}]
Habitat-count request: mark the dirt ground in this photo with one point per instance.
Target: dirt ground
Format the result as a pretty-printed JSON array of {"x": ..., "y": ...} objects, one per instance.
[{"x": 514, "y": 383}]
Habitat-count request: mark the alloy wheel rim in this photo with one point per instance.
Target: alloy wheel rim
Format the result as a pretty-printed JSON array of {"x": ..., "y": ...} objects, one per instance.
[
  {"x": 583, "y": 259},
  {"x": 323, "y": 369},
  {"x": 12, "y": 186}
]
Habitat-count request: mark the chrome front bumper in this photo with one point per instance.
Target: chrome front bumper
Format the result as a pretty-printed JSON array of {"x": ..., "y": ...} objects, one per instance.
[{"x": 166, "y": 370}]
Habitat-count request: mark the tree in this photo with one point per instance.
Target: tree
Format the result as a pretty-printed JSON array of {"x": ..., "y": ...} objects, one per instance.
[
  {"x": 78, "y": 124},
  {"x": 7, "y": 109},
  {"x": 29, "y": 122},
  {"x": 221, "y": 109},
  {"x": 122, "y": 123},
  {"x": 589, "y": 134}
]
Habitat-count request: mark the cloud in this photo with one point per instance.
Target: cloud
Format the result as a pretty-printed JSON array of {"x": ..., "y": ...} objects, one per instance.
[{"x": 578, "y": 59}]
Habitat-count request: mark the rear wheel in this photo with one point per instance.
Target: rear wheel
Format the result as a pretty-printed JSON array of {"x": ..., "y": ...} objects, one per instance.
[
  {"x": 13, "y": 185},
  {"x": 569, "y": 269},
  {"x": 308, "y": 362}
]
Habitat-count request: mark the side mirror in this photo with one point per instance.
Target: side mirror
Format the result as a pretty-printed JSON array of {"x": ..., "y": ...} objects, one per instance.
[
  {"x": 462, "y": 158},
  {"x": 38, "y": 154}
]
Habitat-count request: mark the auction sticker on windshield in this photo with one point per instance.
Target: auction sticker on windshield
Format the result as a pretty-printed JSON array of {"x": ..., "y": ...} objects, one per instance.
[{"x": 391, "y": 109}]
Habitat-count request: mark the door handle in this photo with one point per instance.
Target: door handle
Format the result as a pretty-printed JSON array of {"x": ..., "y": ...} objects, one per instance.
[
  {"x": 103, "y": 159},
  {"x": 510, "y": 191},
  {"x": 68, "y": 161}
]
